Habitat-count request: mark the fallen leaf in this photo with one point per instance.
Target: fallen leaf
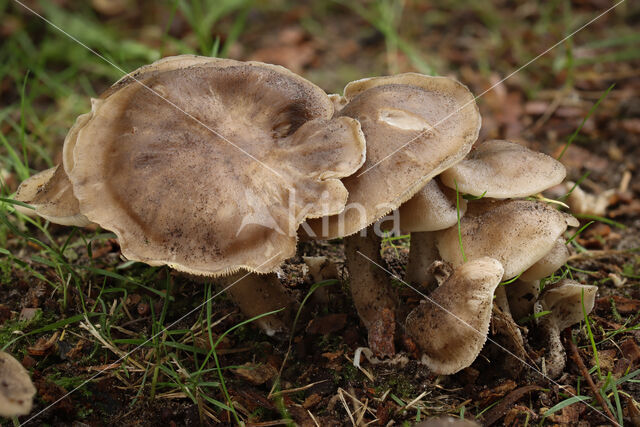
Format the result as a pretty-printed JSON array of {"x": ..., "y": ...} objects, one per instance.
[
  {"x": 493, "y": 394},
  {"x": 256, "y": 374},
  {"x": 607, "y": 359},
  {"x": 623, "y": 305},
  {"x": 498, "y": 411},
  {"x": 44, "y": 345},
  {"x": 630, "y": 350},
  {"x": 327, "y": 324},
  {"x": 311, "y": 401}
]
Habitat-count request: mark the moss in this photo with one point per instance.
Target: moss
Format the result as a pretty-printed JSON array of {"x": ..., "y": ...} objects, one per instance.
[{"x": 399, "y": 384}]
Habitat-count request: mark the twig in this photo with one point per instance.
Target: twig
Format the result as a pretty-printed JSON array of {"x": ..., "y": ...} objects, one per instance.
[{"x": 585, "y": 374}]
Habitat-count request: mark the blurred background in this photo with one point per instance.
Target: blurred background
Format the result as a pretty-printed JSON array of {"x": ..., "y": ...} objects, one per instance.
[{"x": 46, "y": 78}]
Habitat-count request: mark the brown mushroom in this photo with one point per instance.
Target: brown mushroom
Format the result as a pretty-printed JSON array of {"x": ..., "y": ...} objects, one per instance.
[
  {"x": 218, "y": 172},
  {"x": 415, "y": 126},
  {"x": 257, "y": 294},
  {"x": 515, "y": 232},
  {"x": 523, "y": 293},
  {"x": 430, "y": 209},
  {"x": 208, "y": 165},
  {"x": 569, "y": 302},
  {"x": 503, "y": 169},
  {"x": 451, "y": 326},
  {"x": 16, "y": 388}
]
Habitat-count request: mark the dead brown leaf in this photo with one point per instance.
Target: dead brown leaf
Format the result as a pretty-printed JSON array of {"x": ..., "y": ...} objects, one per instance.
[
  {"x": 327, "y": 324},
  {"x": 256, "y": 374}
]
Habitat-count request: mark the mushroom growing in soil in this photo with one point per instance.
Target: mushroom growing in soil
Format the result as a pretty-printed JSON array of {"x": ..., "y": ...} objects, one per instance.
[
  {"x": 209, "y": 165},
  {"x": 569, "y": 303},
  {"x": 432, "y": 208},
  {"x": 415, "y": 127},
  {"x": 451, "y": 326},
  {"x": 16, "y": 388},
  {"x": 515, "y": 232},
  {"x": 524, "y": 292},
  {"x": 503, "y": 169}
]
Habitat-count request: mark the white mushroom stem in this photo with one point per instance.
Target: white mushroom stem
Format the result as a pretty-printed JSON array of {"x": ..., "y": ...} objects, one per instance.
[
  {"x": 555, "y": 357},
  {"x": 423, "y": 252},
  {"x": 565, "y": 300},
  {"x": 451, "y": 327},
  {"x": 256, "y": 294},
  {"x": 370, "y": 284},
  {"x": 507, "y": 332}
]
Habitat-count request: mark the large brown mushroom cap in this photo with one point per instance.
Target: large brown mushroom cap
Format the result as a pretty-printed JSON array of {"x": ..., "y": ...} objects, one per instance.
[
  {"x": 503, "y": 169},
  {"x": 416, "y": 126},
  {"x": 451, "y": 327},
  {"x": 225, "y": 182},
  {"x": 515, "y": 232},
  {"x": 16, "y": 388}
]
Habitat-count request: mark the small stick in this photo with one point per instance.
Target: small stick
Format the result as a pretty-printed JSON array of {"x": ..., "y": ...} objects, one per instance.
[{"x": 585, "y": 373}]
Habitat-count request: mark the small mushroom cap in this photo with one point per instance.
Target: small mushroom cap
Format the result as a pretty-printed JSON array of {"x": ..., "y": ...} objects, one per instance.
[
  {"x": 515, "y": 232},
  {"x": 452, "y": 329},
  {"x": 565, "y": 301},
  {"x": 548, "y": 264},
  {"x": 225, "y": 192},
  {"x": 503, "y": 169},
  {"x": 430, "y": 209},
  {"x": 16, "y": 388},
  {"x": 415, "y": 126},
  {"x": 51, "y": 194}
]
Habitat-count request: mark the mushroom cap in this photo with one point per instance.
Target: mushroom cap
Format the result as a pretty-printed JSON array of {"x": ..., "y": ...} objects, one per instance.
[
  {"x": 564, "y": 300},
  {"x": 452, "y": 339},
  {"x": 415, "y": 126},
  {"x": 503, "y": 169},
  {"x": 16, "y": 388},
  {"x": 222, "y": 184},
  {"x": 515, "y": 232},
  {"x": 430, "y": 209},
  {"x": 549, "y": 263},
  {"x": 51, "y": 194}
]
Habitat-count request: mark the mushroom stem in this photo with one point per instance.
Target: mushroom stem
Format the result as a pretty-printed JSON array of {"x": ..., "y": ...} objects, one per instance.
[
  {"x": 522, "y": 295},
  {"x": 256, "y": 294},
  {"x": 555, "y": 355},
  {"x": 507, "y": 333},
  {"x": 422, "y": 253},
  {"x": 371, "y": 289}
]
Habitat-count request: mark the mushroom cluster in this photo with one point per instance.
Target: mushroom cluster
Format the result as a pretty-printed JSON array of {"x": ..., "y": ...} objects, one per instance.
[{"x": 215, "y": 167}]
